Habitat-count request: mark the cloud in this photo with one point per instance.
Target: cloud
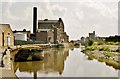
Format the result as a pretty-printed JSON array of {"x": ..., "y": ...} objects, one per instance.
[
  {"x": 50, "y": 11},
  {"x": 78, "y": 14},
  {"x": 7, "y": 0},
  {"x": 56, "y": 0},
  {"x": 14, "y": 17},
  {"x": 104, "y": 10},
  {"x": 79, "y": 18},
  {"x": 86, "y": 17},
  {"x": 6, "y": 13},
  {"x": 58, "y": 10},
  {"x": 27, "y": 14}
]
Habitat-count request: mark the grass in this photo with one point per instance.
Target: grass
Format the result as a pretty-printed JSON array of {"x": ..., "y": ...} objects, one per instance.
[
  {"x": 114, "y": 64},
  {"x": 90, "y": 57},
  {"x": 91, "y": 48},
  {"x": 104, "y": 49},
  {"x": 106, "y": 43},
  {"x": 107, "y": 52},
  {"x": 112, "y": 43}
]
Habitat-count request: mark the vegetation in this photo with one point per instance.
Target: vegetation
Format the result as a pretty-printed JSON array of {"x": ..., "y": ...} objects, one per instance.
[
  {"x": 103, "y": 52},
  {"x": 88, "y": 42},
  {"x": 90, "y": 48},
  {"x": 104, "y": 49},
  {"x": 113, "y": 39},
  {"x": 106, "y": 43},
  {"x": 108, "y": 54},
  {"x": 101, "y": 43},
  {"x": 112, "y": 43}
]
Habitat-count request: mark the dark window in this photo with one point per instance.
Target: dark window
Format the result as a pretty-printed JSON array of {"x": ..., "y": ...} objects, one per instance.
[{"x": 2, "y": 38}]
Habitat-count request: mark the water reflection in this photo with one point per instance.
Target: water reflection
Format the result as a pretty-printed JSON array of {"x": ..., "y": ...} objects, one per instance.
[
  {"x": 53, "y": 62},
  {"x": 65, "y": 63}
]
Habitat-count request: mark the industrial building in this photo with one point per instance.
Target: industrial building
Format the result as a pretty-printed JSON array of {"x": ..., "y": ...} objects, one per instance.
[
  {"x": 6, "y": 35},
  {"x": 92, "y": 35},
  {"x": 51, "y": 31},
  {"x": 48, "y": 31},
  {"x": 22, "y": 35}
]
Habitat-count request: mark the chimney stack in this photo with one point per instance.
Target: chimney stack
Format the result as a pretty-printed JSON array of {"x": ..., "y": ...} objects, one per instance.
[{"x": 34, "y": 19}]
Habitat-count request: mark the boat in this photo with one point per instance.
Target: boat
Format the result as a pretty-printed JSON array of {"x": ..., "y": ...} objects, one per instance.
[{"x": 31, "y": 54}]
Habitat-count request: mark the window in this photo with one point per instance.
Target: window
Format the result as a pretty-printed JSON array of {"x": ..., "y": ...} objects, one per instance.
[
  {"x": 8, "y": 33},
  {"x": 2, "y": 38}
]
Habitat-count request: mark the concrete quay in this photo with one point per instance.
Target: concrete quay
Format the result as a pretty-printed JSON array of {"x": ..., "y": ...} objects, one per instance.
[{"x": 7, "y": 71}]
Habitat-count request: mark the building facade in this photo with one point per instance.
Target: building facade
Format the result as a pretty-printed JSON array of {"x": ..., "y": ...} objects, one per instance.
[
  {"x": 22, "y": 35},
  {"x": 92, "y": 35},
  {"x": 6, "y": 35},
  {"x": 51, "y": 31}
]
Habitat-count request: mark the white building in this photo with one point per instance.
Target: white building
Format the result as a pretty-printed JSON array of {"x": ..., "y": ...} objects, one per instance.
[{"x": 22, "y": 35}]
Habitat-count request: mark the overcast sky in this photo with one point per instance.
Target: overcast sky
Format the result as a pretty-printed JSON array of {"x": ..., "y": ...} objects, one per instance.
[{"x": 79, "y": 16}]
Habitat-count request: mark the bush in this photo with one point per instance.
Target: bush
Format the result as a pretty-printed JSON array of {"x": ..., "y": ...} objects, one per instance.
[
  {"x": 100, "y": 43},
  {"x": 90, "y": 48},
  {"x": 90, "y": 42},
  {"x": 95, "y": 43}
]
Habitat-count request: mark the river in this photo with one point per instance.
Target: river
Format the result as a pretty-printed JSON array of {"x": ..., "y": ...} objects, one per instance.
[{"x": 64, "y": 63}]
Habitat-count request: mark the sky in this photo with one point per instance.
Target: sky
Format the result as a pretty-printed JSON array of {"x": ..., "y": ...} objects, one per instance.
[{"x": 80, "y": 17}]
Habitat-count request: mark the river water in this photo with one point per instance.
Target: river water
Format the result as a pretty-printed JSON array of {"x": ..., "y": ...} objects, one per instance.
[{"x": 64, "y": 63}]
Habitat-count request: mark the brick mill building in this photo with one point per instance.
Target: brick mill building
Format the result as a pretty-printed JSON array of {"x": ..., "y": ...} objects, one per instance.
[
  {"x": 49, "y": 31},
  {"x": 6, "y": 35}
]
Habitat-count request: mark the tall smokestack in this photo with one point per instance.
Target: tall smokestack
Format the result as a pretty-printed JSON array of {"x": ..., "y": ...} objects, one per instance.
[{"x": 34, "y": 19}]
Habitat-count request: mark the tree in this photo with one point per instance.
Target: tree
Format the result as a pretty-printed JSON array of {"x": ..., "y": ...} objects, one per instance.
[{"x": 89, "y": 42}]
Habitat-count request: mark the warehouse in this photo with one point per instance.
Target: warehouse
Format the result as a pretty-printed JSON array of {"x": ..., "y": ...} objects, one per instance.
[{"x": 6, "y": 35}]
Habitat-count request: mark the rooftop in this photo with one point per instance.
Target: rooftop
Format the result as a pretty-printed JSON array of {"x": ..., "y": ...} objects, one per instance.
[
  {"x": 24, "y": 30},
  {"x": 5, "y": 27},
  {"x": 49, "y": 21}
]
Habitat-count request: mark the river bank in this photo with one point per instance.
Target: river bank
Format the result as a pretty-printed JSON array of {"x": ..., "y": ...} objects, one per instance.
[
  {"x": 104, "y": 53},
  {"x": 6, "y": 71}
]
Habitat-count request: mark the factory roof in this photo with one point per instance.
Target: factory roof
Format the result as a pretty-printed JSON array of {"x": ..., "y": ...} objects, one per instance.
[{"x": 49, "y": 21}]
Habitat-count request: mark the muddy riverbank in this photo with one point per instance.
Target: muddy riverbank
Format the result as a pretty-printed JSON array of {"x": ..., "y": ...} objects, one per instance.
[{"x": 104, "y": 53}]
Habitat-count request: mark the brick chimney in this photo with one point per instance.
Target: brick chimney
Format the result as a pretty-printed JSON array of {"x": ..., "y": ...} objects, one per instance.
[{"x": 34, "y": 19}]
